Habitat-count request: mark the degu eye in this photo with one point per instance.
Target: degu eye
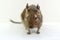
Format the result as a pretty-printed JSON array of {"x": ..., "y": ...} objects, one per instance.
[{"x": 28, "y": 10}]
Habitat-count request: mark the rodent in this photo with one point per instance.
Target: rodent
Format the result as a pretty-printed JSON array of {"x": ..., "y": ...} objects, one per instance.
[{"x": 31, "y": 18}]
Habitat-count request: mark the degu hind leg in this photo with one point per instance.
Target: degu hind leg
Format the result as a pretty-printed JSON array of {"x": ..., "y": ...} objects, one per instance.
[
  {"x": 28, "y": 30},
  {"x": 27, "y": 27},
  {"x": 38, "y": 29}
]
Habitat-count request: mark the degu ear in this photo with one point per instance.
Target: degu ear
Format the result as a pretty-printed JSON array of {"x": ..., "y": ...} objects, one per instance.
[
  {"x": 27, "y": 5},
  {"x": 38, "y": 7}
]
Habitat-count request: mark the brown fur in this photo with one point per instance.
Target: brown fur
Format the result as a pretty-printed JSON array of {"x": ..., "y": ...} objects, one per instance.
[{"x": 32, "y": 16}]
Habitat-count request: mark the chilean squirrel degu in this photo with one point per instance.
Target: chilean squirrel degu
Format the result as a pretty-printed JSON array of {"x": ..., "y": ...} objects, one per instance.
[{"x": 31, "y": 18}]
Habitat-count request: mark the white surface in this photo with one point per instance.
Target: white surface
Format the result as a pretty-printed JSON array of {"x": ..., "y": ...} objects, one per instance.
[
  {"x": 12, "y": 31},
  {"x": 11, "y": 9}
]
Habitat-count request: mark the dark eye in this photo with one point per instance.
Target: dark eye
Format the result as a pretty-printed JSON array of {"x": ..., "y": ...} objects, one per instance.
[{"x": 28, "y": 10}]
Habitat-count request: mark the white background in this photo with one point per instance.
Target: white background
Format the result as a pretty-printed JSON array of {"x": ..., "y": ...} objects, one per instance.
[{"x": 12, "y": 9}]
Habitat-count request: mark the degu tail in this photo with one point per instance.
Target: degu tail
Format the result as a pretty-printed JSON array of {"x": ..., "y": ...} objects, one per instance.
[{"x": 15, "y": 22}]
